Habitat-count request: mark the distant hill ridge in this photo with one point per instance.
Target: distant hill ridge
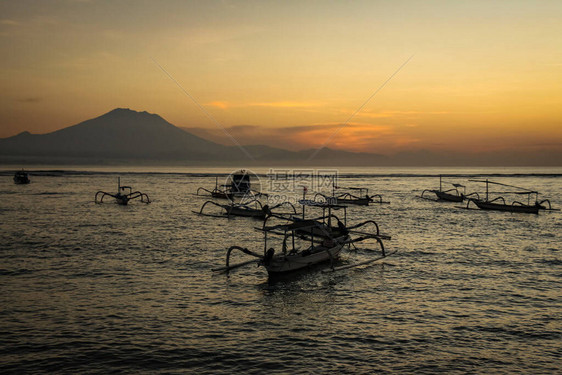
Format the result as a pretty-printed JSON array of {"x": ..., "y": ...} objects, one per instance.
[{"x": 127, "y": 134}]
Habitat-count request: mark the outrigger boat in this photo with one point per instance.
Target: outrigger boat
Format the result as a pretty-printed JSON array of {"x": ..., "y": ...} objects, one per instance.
[
  {"x": 220, "y": 191},
  {"x": 361, "y": 198},
  {"x": 253, "y": 209},
  {"x": 239, "y": 185},
  {"x": 499, "y": 203},
  {"x": 451, "y": 195},
  {"x": 21, "y": 178},
  {"x": 122, "y": 197},
  {"x": 303, "y": 243}
]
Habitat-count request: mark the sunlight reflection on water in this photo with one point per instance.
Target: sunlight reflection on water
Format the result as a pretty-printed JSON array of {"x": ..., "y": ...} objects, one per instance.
[{"x": 103, "y": 288}]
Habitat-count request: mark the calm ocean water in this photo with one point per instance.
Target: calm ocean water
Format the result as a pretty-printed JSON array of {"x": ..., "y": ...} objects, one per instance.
[{"x": 89, "y": 288}]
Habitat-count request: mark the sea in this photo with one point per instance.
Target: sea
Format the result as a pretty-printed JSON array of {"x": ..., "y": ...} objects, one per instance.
[{"x": 90, "y": 288}]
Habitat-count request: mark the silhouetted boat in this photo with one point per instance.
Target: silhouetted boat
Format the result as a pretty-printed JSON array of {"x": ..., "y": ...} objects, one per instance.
[
  {"x": 514, "y": 207},
  {"x": 238, "y": 185},
  {"x": 361, "y": 198},
  {"x": 21, "y": 178},
  {"x": 499, "y": 203},
  {"x": 122, "y": 197},
  {"x": 253, "y": 208},
  {"x": 305, "y": 242},
  {"x": 451, "y": 195}
]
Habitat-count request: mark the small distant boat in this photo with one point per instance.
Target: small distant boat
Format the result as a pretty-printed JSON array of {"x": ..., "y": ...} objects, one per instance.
[
  {"x": 500, "y": 204},
  {"x": 238, "y": 185},
  {"x": 451, "y": 195},
  {"x": 21, "y": 178},
  {"x": 122, "y": 197},
  {"x": 354, "y": 195},
  {"x": 218, "y": 192}
]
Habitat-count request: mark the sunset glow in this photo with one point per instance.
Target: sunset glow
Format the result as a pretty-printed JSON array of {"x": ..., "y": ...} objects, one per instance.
[{"x": 485, "y": 76}]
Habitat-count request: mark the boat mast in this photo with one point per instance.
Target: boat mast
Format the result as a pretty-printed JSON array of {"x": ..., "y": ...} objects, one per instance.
[{"x": 304, "y": 189}]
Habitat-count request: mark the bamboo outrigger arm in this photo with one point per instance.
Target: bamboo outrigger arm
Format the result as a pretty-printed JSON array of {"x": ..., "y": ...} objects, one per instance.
[
  {"x": 137, "y": 194},
  {"x": 469, "y": 201},
  {"x": 365, "y": 223},
  {"x": 103, "y": 194},
  {"x": 122, "y": 198},
  {"x": 229, "y": 267},
  {"x": 204, "y": 204},
  {"x": 429, "y": 191},
  {"x": 497, "y": 199},
  {"x": 468, "y": 196},
  {"x": 541, "y": 205},
  {"x": 205, "y": 190},
  {"x": 376, "y": 195},
  {"x": 245, "y": 251},
  {"x": 285, "y": 204}
]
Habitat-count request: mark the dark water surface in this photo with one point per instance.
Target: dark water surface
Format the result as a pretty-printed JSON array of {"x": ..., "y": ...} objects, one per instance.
[{"x": 89, "y": 288}]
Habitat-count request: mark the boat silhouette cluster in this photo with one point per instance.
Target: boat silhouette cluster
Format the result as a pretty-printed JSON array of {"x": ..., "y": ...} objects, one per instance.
[
  {"x": 295, "y": 239},
  {"x": 309, "y": 233},
  {"x": 526, "y": 201}
]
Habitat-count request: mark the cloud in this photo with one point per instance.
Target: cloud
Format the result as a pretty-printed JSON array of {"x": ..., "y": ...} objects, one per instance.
[
  {"x": 219, "y": 104},
  {"x": 279, "y": 104},
  {"x": 400, "y": 114},
  {"x": 286, "y": 104},
  {"x": 9, "y": 22},
  {"x": 29, "y": 100},
  {"x": 353, "y": 137}
]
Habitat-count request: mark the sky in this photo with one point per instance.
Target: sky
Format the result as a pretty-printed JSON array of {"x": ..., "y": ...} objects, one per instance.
[{"x": 372, "y": 76}]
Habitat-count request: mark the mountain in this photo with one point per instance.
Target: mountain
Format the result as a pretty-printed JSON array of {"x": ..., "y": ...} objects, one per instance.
[
  {"x": 121, "y": 133},
  {"x": 124, "y": 134}
]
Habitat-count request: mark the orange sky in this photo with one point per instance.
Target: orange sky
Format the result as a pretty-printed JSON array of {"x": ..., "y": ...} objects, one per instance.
[{"x": 485, "y": 75}]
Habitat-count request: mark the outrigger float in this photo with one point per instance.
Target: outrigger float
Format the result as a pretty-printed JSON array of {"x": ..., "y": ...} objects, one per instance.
[
  {"x": 303, "y": 243},
  {"x": 254, "y": 209},
  {"x": 122, "y": 197},
  {"x": 451, "y": 195},
  {"x": 360, "y": 196},
  {"x": 21, "y": 178},
  {"x": 239, "y": 185},
  {"x": 499, "y": 203}
]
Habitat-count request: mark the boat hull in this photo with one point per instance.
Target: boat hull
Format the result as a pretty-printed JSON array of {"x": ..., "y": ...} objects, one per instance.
[
  {"x": 506, "y": 207},
  {"x": 448, "y": 197},
  {"x": 221, "y": 195},
  {"x": 358, "y": 201},
  {"x": 282, "y": 263},
  {"x": 246, "y": 212},
  {"x": 21, "y": 179}
]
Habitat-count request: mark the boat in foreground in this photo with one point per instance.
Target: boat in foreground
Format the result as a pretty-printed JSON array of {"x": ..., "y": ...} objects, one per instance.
[{"x": 299, "y": 243}]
